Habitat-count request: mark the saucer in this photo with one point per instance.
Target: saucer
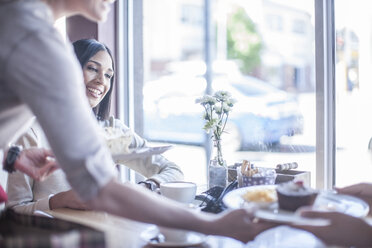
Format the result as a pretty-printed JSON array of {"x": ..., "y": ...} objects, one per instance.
[
  {"x": 153, "y": 237},
  {"x": 143, "y": 152}
]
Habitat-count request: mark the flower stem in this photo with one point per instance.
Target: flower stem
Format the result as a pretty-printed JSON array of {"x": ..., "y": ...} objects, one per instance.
[{"x": 219, "y": 157}]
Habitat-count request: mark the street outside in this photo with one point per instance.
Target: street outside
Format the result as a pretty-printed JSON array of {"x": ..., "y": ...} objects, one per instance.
[{"x": 353, "y": 159}]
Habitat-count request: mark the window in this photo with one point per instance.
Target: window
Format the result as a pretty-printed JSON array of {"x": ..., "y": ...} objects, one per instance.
[
  {"x": 275, "y": 23},
  {"x": 353, "y": 92},
  {"x": 191, "y": 15},
  {"x": 298, "y": 26},
  {"x": 274, "y": 119}
]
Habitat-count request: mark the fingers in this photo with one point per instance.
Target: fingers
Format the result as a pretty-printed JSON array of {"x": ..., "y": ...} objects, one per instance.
[
  {"x": 352, "y": 189},
  {"x": 314, "y": 214},
  {"x": 45, "y": 171},
  {"x": 347, "y": 190},
  {"x": 267, "y": 225},
  {"x": 48, "y": 153},
  {"x": 319, "y": 214},
  {"x": 52, "y": 161}
]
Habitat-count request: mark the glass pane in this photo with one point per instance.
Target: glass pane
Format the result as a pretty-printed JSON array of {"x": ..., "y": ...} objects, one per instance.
[
  {"x": 263, "y": 54},
  {"x": 173, "y": 40},
  {"x": 353, "y": 91}
]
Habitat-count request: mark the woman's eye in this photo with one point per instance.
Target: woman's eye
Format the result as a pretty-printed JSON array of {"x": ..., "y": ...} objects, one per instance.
[
  {"x": 108, "y": 76},
  {"x": 92, "y": 69}
]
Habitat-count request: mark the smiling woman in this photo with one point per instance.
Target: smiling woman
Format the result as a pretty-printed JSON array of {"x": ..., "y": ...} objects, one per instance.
[
  {"x": 98, "y": 77},
  {"x": 27, "y": 196},
  {"x": 98, "y": 70}
]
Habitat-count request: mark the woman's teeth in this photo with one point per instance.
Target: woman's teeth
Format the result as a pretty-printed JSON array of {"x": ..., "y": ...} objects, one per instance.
[{"x": 95, "y": 92}]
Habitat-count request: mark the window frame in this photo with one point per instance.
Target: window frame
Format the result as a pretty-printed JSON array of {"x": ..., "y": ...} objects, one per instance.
[
  {"x": 130, "y": 55},
  {"x": 325, "y": 93}
]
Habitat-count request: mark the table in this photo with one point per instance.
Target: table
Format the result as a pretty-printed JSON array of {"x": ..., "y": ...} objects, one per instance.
[{"x": 122, "y": 232}]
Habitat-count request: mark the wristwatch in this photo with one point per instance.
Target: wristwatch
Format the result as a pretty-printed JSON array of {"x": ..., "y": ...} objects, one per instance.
[
  {"x": 151, "y": 185},
  {"x": 11, "y": 157}
]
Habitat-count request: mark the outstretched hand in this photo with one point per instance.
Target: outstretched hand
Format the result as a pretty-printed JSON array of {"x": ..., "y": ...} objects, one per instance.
[
  {"x": 240, "y": 224},
  {"x": 344, "y": 230},
  {"x": 37, "y": 163},
  {"x": 360, "y": 190},
  {"x": 67, "y": 199}
]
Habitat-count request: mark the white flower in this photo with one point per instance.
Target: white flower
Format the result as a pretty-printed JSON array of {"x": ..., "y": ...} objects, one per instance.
[
  {"x": 222, "y": 96},
  {"x": 207, "y": 99},
  {"x": 230, "y": 102},
  {"x": 226, "y": 109},
  {"x": 217, "y": 108}
]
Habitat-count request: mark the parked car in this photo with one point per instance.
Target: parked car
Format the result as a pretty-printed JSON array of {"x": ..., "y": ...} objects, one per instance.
[{"x": 261, "y": 115}]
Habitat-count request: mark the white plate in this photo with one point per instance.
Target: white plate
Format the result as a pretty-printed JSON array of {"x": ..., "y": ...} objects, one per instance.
[
  {"x": 150, "y": 236},
  {"x": 140, "y": 153},
  {"x": 342, "y": 203},
  {"x": 234, "y": 199},
  {"x": 326, "y": 201},
  {"x": 281, "y": 216}
]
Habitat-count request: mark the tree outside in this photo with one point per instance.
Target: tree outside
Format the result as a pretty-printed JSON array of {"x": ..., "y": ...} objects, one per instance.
[{"x": 244, "y": 43}]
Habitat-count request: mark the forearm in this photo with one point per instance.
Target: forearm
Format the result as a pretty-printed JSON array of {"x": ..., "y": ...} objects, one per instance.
[
  {"x": 67, "y": 199},
  {"x": 28, "y": 208},
  {"x": 56, "y": 201},
  {"x": 355, "y": 237},
  {"x": 168, "y": 172},
  {"x": 157, "y": 169},
  {"x": 31, "y": 207},
  {"x": 20, "y": 194},
  {"x": 145, "y": 206},
  {"x": 366, "y": 240}
]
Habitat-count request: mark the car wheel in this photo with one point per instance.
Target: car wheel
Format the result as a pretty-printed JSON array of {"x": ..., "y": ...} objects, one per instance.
[{"x": 232, "y": 140}]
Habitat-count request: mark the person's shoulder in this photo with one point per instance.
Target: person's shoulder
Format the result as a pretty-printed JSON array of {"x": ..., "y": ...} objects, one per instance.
[
  {"x": 113, "y": 122},
  {"x": 20, "y": 21},
  {"x": 26, "y": 17},
  {"x": 120, "y": 124}
]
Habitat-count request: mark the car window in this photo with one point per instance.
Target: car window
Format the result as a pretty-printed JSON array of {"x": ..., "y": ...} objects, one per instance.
[{"x": 254, "y": 87}]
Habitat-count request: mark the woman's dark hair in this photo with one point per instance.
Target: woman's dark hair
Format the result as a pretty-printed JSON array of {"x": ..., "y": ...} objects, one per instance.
[{"x": 84, "y": 50}]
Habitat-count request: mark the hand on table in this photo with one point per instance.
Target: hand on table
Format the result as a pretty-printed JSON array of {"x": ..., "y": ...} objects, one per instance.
[
  {"x": 37, "y": 163},
  {"x": 240, "y": 224},
  {"x": 344, "y": 230},
  {"x": 67, "y": 199},
  {"x": 361, "y": 190}
]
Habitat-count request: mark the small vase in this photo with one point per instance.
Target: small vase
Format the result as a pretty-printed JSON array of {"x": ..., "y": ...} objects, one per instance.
[{"x": 217, "y": 168}]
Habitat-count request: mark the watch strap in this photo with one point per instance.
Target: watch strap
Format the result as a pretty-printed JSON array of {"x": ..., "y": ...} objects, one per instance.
[
  {"x": 11, "y": 157},
  {"x": 149, "y": 184}
]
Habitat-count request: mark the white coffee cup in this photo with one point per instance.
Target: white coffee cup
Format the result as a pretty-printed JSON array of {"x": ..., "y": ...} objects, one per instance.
[{"x": 183, "y": 192}]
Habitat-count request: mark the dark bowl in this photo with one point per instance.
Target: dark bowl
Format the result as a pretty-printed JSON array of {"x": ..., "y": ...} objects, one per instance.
[{"x": 291, "y": 202}]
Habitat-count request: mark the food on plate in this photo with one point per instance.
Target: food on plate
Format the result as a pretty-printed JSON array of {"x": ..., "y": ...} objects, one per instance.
[
  {"x": 260, "y": 195},
  {"x": 292, "y": 195},
  {"x": 249, "y": 175},
  {"x": 117, "y": 140}
]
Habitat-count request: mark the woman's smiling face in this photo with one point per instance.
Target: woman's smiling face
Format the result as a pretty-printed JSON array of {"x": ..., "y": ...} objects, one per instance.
[{"x": 97, "y": 73}]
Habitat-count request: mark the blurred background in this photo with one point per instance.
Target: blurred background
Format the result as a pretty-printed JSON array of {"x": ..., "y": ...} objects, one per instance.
[{"x": 263, "y": 52}]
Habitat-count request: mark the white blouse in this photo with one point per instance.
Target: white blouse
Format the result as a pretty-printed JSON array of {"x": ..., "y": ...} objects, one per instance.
[{"x": 40, "y": 75}]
